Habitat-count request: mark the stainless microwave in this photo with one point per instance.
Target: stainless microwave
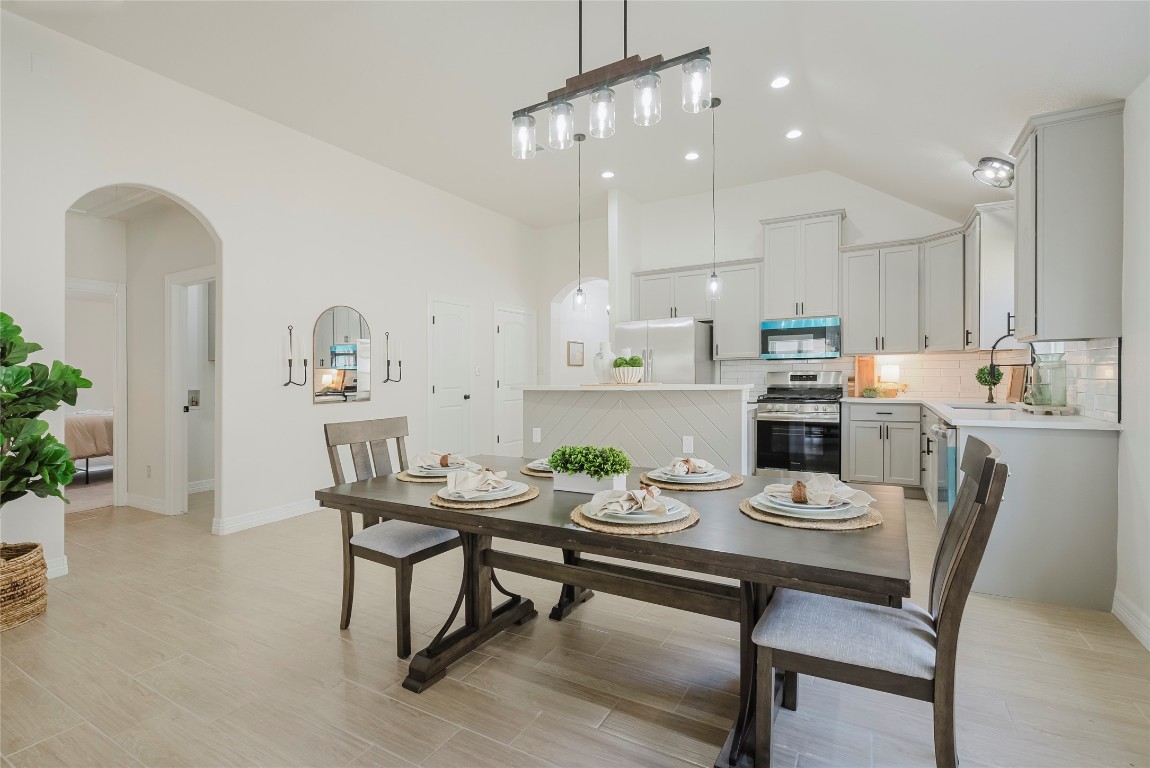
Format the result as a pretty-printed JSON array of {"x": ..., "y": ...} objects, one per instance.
[{"x": 802, "y": 338}]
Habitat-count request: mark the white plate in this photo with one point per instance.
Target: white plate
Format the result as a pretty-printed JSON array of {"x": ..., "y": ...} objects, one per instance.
[
  {"x": 437, "y": 471},
  {"x": 512, "y": 488},
  {"x": 676, "y": 510},
  {"x": 664, "y": 475},
  {"x": 765, "y": 504},
  {"x": 540, "y": 465},
  {"x": 785, "y": 501}
]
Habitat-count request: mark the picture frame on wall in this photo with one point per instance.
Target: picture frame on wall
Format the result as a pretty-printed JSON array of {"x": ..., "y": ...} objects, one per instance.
[{"x": 575, "y": 354}]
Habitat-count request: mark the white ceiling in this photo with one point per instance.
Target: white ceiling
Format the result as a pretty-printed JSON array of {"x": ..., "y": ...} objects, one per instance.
[{"x": 902, "y": 96}]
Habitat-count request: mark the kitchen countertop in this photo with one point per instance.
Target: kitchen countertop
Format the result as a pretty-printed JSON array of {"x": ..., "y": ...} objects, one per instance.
[
  {"x": 636, "y": 387},
  {"x": 980, "y": 417}
]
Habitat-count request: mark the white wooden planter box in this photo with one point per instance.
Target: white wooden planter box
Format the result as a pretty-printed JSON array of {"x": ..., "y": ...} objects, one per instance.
[{"x": 580, "y": 483}]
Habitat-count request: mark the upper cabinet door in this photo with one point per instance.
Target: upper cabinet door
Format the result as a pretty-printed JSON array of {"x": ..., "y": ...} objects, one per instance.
[
  {"x": 1025, "y": 231},
  {"x": 655, "y": 296},
  {"x": 781, "y": 277},
  {"x": 818, "y": 271},
  {"x": 972, "y": 242},
  {"x": 944, "y": 307},
  {"x": 691, "y": 295},
  {"x": 862, "y": 315},
  {"x": 900, "y": 309},
  {"x": 737, "y": 316}
]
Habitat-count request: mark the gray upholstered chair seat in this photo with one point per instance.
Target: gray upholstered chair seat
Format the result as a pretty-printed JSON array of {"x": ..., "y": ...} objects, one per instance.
[
  {"x": 898, "y": 640},
  {"x": 399, "y": 538}
]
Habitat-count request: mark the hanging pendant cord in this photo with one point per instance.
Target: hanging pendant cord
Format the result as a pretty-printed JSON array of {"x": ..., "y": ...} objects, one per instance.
[
  {"x": 714, "y": 218},
  {"x": 580, "y": 36},
  {"x": 624, "y": 29},
  {"x": 580, "y": 219}
]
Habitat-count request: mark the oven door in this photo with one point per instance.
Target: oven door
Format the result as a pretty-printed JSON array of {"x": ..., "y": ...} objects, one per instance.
[{"x": 798, "y": 443}]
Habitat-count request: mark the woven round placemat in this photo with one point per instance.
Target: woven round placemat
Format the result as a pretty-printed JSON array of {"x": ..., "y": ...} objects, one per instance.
[
  {"x": 407, "y": 477},
  {"x": 869, "y": 519},
  {"x": 526, "y": 470},
  {"x": 527, "y": 495},
  {"x": 734, "y": 481},
  {"x": 592, "y": 524}
]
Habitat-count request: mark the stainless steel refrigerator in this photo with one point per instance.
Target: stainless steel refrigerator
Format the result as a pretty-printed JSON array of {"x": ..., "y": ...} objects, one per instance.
[{"x": 676, "y": 350}]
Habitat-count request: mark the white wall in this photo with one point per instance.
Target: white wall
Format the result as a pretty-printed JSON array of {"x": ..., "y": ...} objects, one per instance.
[
  {"x": 200, "y": 374},
  {"x": 590, "y": 327},
  {"x": 1132, "y": 592},
  {"x": 303, "y": 226},
  {"x": 624, "y": 245},
  {"x": 90, "y": 345},
  {"x": 94, "y": 248},
  {"x": 677, "y": 232}
]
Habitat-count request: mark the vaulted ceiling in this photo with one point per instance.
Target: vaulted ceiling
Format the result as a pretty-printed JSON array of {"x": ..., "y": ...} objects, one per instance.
[{"x": 902, "y": 96}]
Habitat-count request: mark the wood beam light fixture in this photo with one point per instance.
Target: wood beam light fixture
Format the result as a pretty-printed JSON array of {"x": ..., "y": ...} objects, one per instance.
[{"x": 599, "y": 83}]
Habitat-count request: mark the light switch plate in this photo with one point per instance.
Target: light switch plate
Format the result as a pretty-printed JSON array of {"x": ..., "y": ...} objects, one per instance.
[
  {"x": 688, "y": 444},
  {"x": 536, "y": 435}
]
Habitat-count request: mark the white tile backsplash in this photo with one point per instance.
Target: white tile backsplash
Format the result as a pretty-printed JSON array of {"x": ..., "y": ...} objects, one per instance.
[{"x": 1091, "y": 373}]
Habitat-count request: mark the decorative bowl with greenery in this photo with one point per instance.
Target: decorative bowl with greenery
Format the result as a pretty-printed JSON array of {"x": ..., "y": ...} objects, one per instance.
[
  {"x": 589, "y": 468},
  {"x": 990, "y": 382},
  {"x": 627, "y": 370}
]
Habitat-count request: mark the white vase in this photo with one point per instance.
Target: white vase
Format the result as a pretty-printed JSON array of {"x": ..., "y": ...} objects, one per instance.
[
  {"x": 604, "y": 362},
  {"x": 580, "y": 483}
]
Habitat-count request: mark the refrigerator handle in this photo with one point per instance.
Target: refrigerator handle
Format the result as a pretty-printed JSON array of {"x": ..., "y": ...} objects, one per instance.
[{"x": 651, "y": 364}]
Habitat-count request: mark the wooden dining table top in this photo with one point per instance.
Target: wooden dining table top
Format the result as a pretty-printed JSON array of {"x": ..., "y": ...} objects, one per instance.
[{"x": 725, "y": 542}]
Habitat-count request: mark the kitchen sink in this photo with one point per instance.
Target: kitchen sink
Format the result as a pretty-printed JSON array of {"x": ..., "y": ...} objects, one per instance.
[{"x": 981, "y": 406}]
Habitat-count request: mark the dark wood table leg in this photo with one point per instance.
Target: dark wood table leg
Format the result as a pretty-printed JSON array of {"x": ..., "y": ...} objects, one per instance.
[
  {"x": 571, "y": 595},
  {"x": 481, "y": 621},
  {"x": 739, "y": 749}
]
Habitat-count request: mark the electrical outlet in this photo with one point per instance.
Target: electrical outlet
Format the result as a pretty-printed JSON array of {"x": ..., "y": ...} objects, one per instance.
[
  {"x": 536, "y": 435},
  {"x": 688, "y": 444},
  {"x": 149, "y": 470}
]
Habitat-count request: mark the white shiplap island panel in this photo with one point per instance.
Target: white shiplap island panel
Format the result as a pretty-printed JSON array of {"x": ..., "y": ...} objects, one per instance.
[{"x": 647, "y": 422}]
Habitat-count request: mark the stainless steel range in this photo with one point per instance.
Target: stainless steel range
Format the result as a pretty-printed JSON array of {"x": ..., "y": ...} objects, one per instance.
[{"x": 797, "y": 423}]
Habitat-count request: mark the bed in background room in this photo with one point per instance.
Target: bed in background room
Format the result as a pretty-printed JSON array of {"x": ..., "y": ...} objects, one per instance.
[{"x": 88, "y": 435}]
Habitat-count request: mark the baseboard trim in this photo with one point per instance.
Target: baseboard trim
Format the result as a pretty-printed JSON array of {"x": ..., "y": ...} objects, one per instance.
[
  {"x": 199, "y": 486},
  {"x": 263, "y": 516},
  {"x": 147, "y": 503},
  {"x": 57, "y": 566},
  {"x": 1135, "y": 620}
]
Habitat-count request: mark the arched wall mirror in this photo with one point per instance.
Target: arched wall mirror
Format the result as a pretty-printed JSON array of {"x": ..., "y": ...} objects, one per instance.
[{"x": 341, "y": 355}]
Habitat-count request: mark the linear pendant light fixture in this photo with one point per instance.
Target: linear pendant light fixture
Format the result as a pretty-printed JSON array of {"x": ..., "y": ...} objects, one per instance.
[
  {"x": 648, "y": 102},
  {"x": 714, "y": 282}
]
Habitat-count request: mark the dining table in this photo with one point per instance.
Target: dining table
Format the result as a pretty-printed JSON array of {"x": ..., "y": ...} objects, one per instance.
[{"x": 741, "y": 561}]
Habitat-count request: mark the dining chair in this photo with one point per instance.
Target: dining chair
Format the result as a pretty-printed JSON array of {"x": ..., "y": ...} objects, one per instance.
[
  {"x": 395, "y": 543},
  {"x": 908, "y": 651}
]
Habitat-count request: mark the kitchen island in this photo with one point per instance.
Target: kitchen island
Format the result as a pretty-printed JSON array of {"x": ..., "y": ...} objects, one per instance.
[{"x": 652, "y": 423}]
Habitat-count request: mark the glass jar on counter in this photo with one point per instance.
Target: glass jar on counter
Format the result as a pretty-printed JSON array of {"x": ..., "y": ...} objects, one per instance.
[{"x": 1050, "y": 379}]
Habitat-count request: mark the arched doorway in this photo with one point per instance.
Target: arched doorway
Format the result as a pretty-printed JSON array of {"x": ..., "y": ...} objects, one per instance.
[{"x": 155, "y": 259}]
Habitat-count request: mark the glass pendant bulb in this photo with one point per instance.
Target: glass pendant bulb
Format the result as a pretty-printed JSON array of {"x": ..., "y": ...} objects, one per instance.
[
  {"x": 579, "y": 300},
  {"x": 603, "y": 113},
  {"x": 648, "y": 99},
  {"x": 714, "y": 287},
  {"x": 697, "y": 85},
  {"x": 523, "y": 137},
  {"x": 560, "y": 125}
]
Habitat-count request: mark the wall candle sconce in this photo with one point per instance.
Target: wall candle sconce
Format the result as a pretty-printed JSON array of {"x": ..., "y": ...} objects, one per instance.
[
  {"x": 398, "y": 360},
  {"x": 290, "y": 355}
]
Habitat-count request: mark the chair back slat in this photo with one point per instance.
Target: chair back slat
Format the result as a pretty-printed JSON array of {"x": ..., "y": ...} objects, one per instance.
[{"x": 367, "y": 441}]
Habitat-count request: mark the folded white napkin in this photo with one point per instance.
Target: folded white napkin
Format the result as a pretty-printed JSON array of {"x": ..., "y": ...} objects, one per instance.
[
  {"x": 823, "y": 489},
  {"x": 434, "y": 458},
  {"x": 691, "y": 467},
  {"x": 643, "y": 501},
  {"x": 471, "y": 483}
]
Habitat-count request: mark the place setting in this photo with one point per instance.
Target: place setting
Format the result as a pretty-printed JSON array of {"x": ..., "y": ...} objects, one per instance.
[
  {"x": 820, "y": 502},
  {"x": 537, "y": 468},
  {"x": 482, "y": 488},
  {"x": 641, "y": 512},
  {"x": 434, "y": 467},
  {"x": 690, "y": 474}
]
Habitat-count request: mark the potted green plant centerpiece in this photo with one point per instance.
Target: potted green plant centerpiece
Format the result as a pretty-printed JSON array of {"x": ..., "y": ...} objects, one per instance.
[
  {"x": 627, "y": 370},
  {"x": 33, "y": 461},
  {"x": 990, "y": 382},
  {"x": 589, "y": 468}
]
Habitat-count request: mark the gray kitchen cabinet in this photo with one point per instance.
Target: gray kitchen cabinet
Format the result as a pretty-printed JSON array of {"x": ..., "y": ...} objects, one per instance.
[
  {"x": 673, "y": 294},
  {"x": 866, "y": 452},
  {"x": 862, "y": 305},
  {"x": 944, "y": 305},
  {"x": 656, "y": 296},
  {"x": 989, "y": 276},
  {"x": 900, "y": 307},
  {"x": 690, "y": 298},
  {"x": 881, "y": 310},
  {"x": 1068, "y": 242},
  {"x": 883, "y": 444},
  {"x": 902, "y": 462},
  {"x": 801, "y": 265},
  {"x": 736, "y": 314}
]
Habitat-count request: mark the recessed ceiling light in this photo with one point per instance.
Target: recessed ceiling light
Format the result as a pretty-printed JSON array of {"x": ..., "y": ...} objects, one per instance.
[
  {"x": 608, "y": 174},
  {"x": 780, "y": 82},
  {"x": 794, "y": 134},
  {"x": 691, "y": 156}
]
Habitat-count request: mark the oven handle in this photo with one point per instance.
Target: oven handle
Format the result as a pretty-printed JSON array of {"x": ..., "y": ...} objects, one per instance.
[{"x": 813, "y": 417}]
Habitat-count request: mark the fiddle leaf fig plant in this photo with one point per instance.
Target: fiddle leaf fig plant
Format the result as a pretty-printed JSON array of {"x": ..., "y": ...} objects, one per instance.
[{"x": 33, "y": 461}]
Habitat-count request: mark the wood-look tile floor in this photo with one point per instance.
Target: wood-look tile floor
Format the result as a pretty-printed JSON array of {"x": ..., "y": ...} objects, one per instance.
[{"x": 167, "y": 646}]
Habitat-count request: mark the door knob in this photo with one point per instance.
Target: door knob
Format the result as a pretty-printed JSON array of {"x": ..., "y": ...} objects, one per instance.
[{"x": 467, "y": 397}]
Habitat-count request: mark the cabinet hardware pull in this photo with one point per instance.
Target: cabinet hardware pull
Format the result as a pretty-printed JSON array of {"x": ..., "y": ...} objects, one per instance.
[
  {"x": 796, "y": 307},
  {"x": 968, "y": 338},
  {"x": 876, "y": 342},
  {"x": 925, "y": 341},
  {"x": 1009, "y": 316},
  {"x": 802, "y": 307},
  {"x": 884, "y": 342},
  {"x": 885, "y": 413},
  {"x": 929, "y": 452}
]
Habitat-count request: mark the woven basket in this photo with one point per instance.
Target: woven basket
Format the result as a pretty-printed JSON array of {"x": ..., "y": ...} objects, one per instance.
[{"x": 23, "y": 583}]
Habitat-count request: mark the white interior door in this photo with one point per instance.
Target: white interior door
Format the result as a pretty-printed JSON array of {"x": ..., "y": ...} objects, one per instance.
[
  {"x": 515, "y": 352},
  {"x": 451, "y": 377}
]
